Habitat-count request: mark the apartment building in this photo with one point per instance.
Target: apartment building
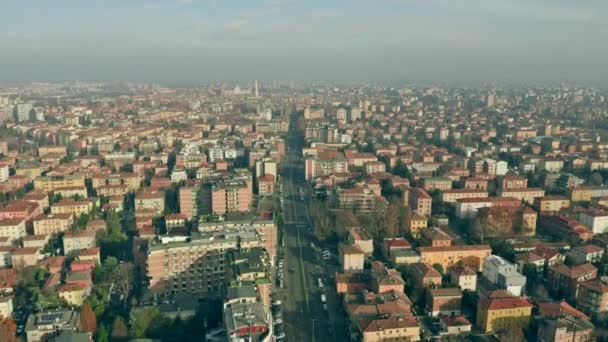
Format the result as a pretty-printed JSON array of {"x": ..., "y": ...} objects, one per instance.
[
  {"x": 528, "y": 194},
  {"x": 469, "y": 255},
  {"x": 150, "y": 200},
  {"x": 47, "y": 224},
  {"x": 468, "y": 207},
  {"x": 592, "y": 298},
  {"x": 551, "y": 204},
  {"x": 226, "y": 196},
  {"x": 444, "y": 301},
  {"x": 324, "y": 164},
  {"x": 436, "y": 183},
  {"x": 587, "y": 193},
  {"x": 189, "y": 201},
  {"x": 51, "y": 183},
  {"x": 266, "y": 231},
  {"x": 181, "y": 266},
  {"x": 71, "y": 191},
  {"x": 451, "y": 196},
  {"x": 503, "y": 313},
  {"x": 78, "y": 240},
  {"x": 596, "y": 220},
  {"x": 359, "y": 199},
  {"x": 420, "y": 201},
  {"x": 13, "y": 229},
  {"x": 75, "y": 208},
  {"x": 416, "y": 224},
  {"x": 513, "y": 183},
  {"x": 504, "y": 275},
  {"x": 44, "y": 151},
  {"x": 564, "y": 281},
  {"x": 266, "y": 185}
]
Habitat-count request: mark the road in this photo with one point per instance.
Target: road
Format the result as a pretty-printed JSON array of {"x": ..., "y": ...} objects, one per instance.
[{"x": 304, "y": 315}]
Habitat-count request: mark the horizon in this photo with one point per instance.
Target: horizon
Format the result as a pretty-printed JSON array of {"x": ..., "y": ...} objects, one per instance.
[{"x": 202, "y": 41}]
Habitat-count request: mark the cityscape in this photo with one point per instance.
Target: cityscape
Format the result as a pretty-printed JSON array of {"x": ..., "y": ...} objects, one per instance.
[{"x": 247, "y": 179}]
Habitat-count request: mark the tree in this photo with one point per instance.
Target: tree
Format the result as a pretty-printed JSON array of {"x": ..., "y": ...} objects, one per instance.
[
  {"x": 8, "y": 330},
  {"x": 123, "y": 278},
  {"x": 88, "y": 321},
  {"x": 119, "y": 328},
  {"x": 438, "y": 267},
  {"x": 142, "y": 318},
  {"x": 393, "y": 220},
  {"x": 596, "y": 179},
  {"x": 401, "y": 170},
  {"x": 102, "y": 334}
]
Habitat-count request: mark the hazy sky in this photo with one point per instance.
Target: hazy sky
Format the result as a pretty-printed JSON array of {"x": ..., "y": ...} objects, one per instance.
[{"x": 208, "y": 40}]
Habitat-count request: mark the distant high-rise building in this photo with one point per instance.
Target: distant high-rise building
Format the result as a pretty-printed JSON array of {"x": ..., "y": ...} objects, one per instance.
[
  {"x": 257, "y": 91},
  {"x": 22, "y": 111},
  {"x": 491, "y": 100}
]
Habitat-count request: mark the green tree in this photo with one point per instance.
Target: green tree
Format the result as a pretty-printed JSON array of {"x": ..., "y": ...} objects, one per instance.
[
  {"x": 401, "y": 170},
  {"x": 438, "y": 267},
  {"x": 596, "y": 179},
  {"x": 102, "y": 334},
  {"x": 141, "y": 320}
]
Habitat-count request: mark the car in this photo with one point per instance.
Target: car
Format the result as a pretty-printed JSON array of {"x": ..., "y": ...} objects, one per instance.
[
  {"x": 278, "y": 321},
  {"x": 291, "y": 270},
  {"x": 276, "y": 302},
  {"x": 20, "y": 329},
  {"x": 323, "y": 299},
  {"x": 320, "y": 281}
]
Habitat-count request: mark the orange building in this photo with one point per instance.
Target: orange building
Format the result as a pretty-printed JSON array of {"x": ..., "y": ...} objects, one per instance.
[{"x": 469, "y": 255}]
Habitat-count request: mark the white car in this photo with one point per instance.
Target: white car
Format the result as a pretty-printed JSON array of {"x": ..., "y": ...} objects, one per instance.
[
  {"x": 278, "y": 321},
  {"x": 276, "y": 302}
]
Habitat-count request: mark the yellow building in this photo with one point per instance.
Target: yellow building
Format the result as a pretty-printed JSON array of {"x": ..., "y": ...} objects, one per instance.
[
  {"x": 75, "y": 293},
  {"x": 416, "y": 224},
  {"x": 503, "y": 313},
  {"x": 51, "y": 183},
  {"x": 75, "y": 208},
  {"x": 581, "y": 194},
  {"x": 29, "y": 172}
]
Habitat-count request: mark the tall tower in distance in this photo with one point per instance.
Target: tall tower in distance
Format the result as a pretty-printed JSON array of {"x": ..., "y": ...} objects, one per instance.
[{"x": 257, "y": 92}]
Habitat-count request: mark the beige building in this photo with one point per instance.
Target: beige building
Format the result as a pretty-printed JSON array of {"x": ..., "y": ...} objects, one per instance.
[
  {"x": 26, "y": 256},
  {"x": 551, "y": 204},
  {"x": 75, "y": 293},
  {"x": 469, "y": 255},
  {"x": 450, "y": 196},
  {"x": 12, "y": 229},
  {"x": 6, "y": 306},
  {"x": 528, "y": 194},
  {"x": 74, "y": 241},
  {"x": 71, "y": 191},
  {"x": 153, "y": 200},
  {"x": 352, "y": 258},
  {"x": 75, "y": 208},
  {"x": 47, "y": 224},
  {"x": 404, "y": 328}
]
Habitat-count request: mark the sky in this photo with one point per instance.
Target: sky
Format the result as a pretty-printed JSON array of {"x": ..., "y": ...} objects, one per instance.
[{"x": 204, "y": 41}]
